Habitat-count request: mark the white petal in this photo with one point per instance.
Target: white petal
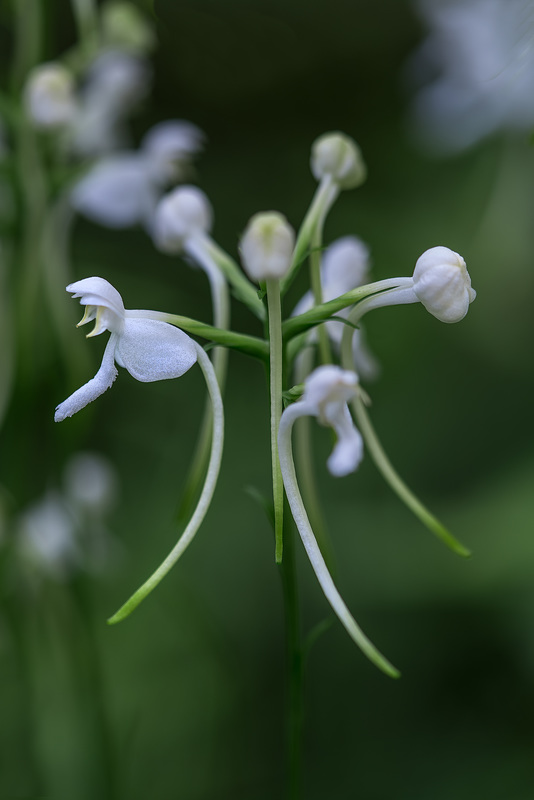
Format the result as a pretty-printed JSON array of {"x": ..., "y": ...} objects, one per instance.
[
  {"x": 348, "y": 452},
  {"x": 154, "y": 351},
  {"x": 116, "y": 193},
  {"x": 93, "y": 388},
  {"x": 97, "y": 292}
]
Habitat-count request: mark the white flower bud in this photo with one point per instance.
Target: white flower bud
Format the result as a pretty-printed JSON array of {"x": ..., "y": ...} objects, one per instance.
[
  {"x": 442, "y": 284},
  {"x": 49, "y": 96},
  {"x": 267, "y": 246},
  {"x": 182, "y": 213},
  {"x": 339, "y": 156}
]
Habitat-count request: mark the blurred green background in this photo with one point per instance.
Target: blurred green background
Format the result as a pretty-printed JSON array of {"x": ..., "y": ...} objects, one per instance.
[{"x": 186, "y": 698}]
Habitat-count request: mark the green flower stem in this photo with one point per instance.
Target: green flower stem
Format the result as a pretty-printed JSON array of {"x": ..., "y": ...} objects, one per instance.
[
  {"x": 243, "y": 289},
  {"x": 250, "y": 345},
  {"x": 295, "y": 667},
  {"x": 317, "y": 289},
  {"x": 303, "y": 322},
  {"x": 56, "y": 232},
  {"x": 397, "y": 484},
  {"x": 34, "y": 192},
  {"x": 86, "y": 16},
  {"x": 221, "y": 318},
  {"x": 325, "y": 196},
  {"x": 7, "y": 344},
  {"x": 28, "y": 34},
  {"x": 205, "y": 497},
  {"x": 291, "y": 414},
  {"x": 276, "y": 372},
  {"x": 305, "y": 465},
  {"x": 390, "y": 475}
]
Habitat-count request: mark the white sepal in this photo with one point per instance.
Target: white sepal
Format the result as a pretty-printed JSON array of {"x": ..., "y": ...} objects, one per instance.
[
  {"x": 49, "y": 96},
  {"x": 154, "y": 351}
]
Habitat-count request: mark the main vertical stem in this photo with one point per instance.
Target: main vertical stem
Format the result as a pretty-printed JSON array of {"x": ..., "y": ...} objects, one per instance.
[
  {"x": 275, "y": 360},
  {"x": 294, "y": 663}
]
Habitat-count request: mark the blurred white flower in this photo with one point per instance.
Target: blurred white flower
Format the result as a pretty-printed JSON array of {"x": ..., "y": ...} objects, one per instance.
[
  {"x": 149, "y": 349},
  {"x": 91, "y": 483},
  {"x": 46, "y": 538},
  {"x": 475, "y": 70},
  {"x": 49, "y": 96},
  {"x": 115, "y": 84},
  {"x": 267, "y": 246},
  {"x": 344, "y": 266},
  {"x": 122, "y": 190}
]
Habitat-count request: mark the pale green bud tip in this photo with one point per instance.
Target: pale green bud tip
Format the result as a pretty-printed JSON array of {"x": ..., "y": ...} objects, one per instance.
[
  {"x": 442, "y": 284},
  {"x": 49, "y": 96},
  {"x": 337, "y": 155},
  {"x": 124, "y": 26},
  {"x": 267, "y": 246}
]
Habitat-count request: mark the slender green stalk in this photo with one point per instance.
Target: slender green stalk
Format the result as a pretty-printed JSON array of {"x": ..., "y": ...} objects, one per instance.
[
  {"x": 390, "y": 475},
  {"x": 205, "y": 497},
  {"x": 310, "y": 543},
  {"x": 305, "y": 465},
  {"x": 325, "y": 195},
  {"x": 28, "y": 34},
  {"x": 251, "y": 345},
  {"x": 317, "y": 289},
  {"x": 86, "y": 16},
  {"x": 303, "y": 322},
  {"x": 397, "y": 484},
  {"x": 276, "y": 372},
  {"x": 295, "y": 667},
  {"x": 243, "y": 289},
  {"x": 221, "y": 319}
]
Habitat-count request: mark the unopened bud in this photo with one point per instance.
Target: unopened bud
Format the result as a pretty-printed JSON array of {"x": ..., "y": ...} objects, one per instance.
[
  {"x": 267, "y": 246},
  {"x": 182, "y": 213},
  {"x": 339, "y": 156},
  {"x": 49, "y": 96},
  {"x": 442, "y": 284}
]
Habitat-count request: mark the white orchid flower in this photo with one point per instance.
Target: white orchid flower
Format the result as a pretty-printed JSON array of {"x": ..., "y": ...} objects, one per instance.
[
  {"x": 326, "y": 393},
  {"x": 267, "y": 246},
  {"x": 475, "y": 71},
  {"x": 151, "y": 350},
  {"x": 115, "y": 84},
  {"x": 122, "y": 190}
]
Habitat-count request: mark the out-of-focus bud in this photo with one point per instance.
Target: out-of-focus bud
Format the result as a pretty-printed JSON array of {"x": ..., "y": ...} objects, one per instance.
[
  {"x": 339, "y": 156},
  {"x": 46, "y": 539},
  {"x": 267, "y": 246},
  {"x": 49, "y": 96},
  {"x": 124, "y": 27},
  {"x": 442, "y": 284},
  {"x": 91, "y": 483},
  {"x": 169, "y": 147},
  {"x": 183, "y": 213}
]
